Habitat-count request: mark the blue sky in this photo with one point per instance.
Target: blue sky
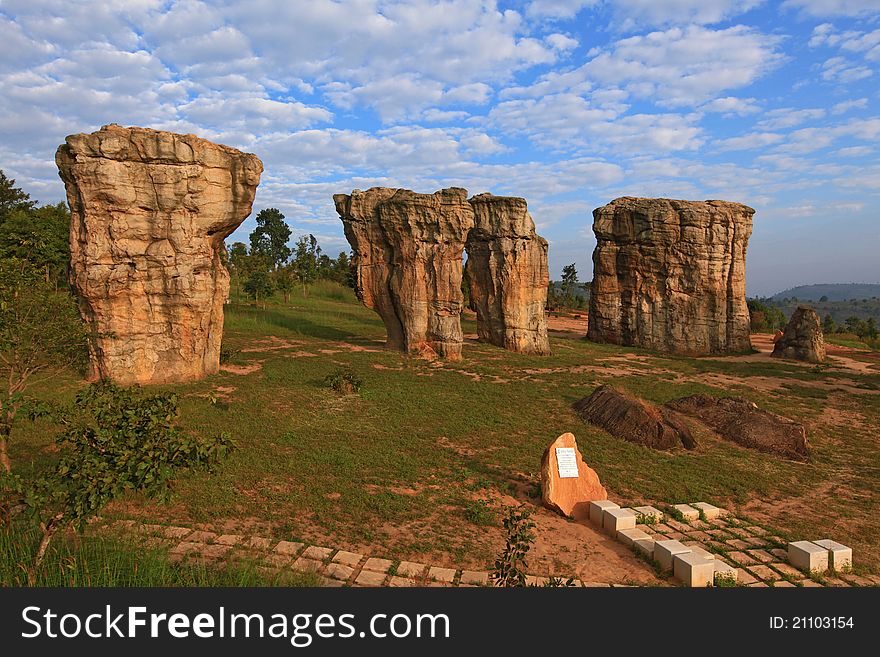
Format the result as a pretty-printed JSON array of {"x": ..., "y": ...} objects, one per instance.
[{"x": 568, "y": 103}]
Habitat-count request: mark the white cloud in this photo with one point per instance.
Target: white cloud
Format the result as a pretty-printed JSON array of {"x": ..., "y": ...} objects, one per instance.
[
  {"x": 825, "y": 8},
  {"x": 634, "y": 13},
  {"x": 561, "y": 42},
  {"x": 839, "y": 69},
  {"x": 847, "y": 105},
  {"x": 746, "y": 142},
  {"x": 730, "y": 106},
  {"x": 557, "y": 8},
  {"x": 686, "y": 66},
  {"x": 789, "y": 117}
]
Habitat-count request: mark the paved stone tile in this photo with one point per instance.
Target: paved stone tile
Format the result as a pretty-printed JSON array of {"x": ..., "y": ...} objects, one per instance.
[
  {"x": 739, "y": 544},
  {"x": 288, "y": 547},
  {"x": 176, "y": 532},
  {"x": 742, "y": 558},
  {"x": 719, "y": 534},
  {"x": 438, "y": 585},
  {"x": 756, "y": 531},
  {"x": 229, "y": 539},
  {"x": 675, "y": 536},
  {"x": 411, "y": 569},
  {"x": 602, "y": 585},
  {"x": 780, "y": 554},
  {"x": 699, "y": 536},
  {"x": 808, "y": 583},
  {"x": 378, "y": 565},
  {"x": 682, "y": 527},
  {"x": 399, "y": 582},
  {"x": 761, "y": 555},
  {"x": 215, "y": 551},
  {"x": 339, "y": 571},
  {"x": 662, "y": 528},
  {"x": 744, "y": 577},
  {"x": 347, "y": 558},
  {"x": 332, "y": 583},
  {"x": 778, "y": 540},
  {"x": 785, "y": 569},
  {"x": 185, "y": 547},
  {"x": 533, "y": 580},
  {"x": 782, "y": 584},
  {"x": 370, "y": 578},
  {"x": 718, "y": 522},
  {"x": 765, "y": 573},
  {"x": 441, "y": 574},
  {"x": 151, "y": 529},
  {"x": 278, "y": 560},
  {"x": 739, "y": 532},
  {"x": 202, "y": 537},
  {"x": 758, "y": 585},
  {"x": 755, "y": 541},
  {"x": 259, "y": 543},
  {"x": 306, "y": 565},
  {"x": 875, "y": 579},
  {"x": 316, "y": 552},
  {"x": 856, "y": 580},
  {"x": 699, "y": 524},
  {"x": 474, "y": 577},
  {"x": 835, "y": 582},
  {"x": 723, "y": 547}
]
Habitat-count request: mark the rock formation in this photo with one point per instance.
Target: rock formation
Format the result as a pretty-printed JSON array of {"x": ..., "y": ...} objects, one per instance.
[
  {"x": 508, "y": 276},
  {"x": 570, "y": 495},
  {"x": 149, "y": 213},
  {"x": 670, "y": 275},
  {"x": 408, "y": 251},
  {"x": 803, "y": 338},
  {"x": 634, "y": 420},
  {"x": 742, "y": 422}
]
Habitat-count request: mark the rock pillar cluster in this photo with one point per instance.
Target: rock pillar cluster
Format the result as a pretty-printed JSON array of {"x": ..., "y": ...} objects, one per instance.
[
  {"x": 408, "y": 250},
  {"x": 149, "y": 213},
  {"x": 669, "y": 275}
]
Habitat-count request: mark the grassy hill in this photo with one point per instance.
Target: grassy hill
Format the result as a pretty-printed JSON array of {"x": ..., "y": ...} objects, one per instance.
[
  {"x": 417, "y": 464},
  {"x": 831, "y": 292}
]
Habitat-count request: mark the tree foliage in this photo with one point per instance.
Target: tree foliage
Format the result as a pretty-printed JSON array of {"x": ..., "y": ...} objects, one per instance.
[
  {"x": 269, "y": 239},
  {"x": 12, "y": 198},
  {"x": 40, "y": 236}
]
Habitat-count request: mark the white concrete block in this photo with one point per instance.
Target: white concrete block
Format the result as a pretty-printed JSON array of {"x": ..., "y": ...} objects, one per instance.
[
  {"x": 808, "y": 557},
  {"x": 665, "y": 550},
  {"x": 649, "y": 512},
  {"x": 630, "y": 536},
  {"x": 645, "y": 546},
  {"x": 613, "y": 520},
  {"x": 710, "y": 511},
  {"x": 699, "y": 549},
  {"x": 689, "y": 512},
  {"x": 694, "y": 569},
  {"x": 597, "y": 507},
  {"x": 839, "y": 555},
  {"x": 724, "y": 572}
]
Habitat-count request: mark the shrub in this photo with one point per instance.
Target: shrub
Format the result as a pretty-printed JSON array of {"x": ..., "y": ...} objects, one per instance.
[{"x": 345, "y": 382}]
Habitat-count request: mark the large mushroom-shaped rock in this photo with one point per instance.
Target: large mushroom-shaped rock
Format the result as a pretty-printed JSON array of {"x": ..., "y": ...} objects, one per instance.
[
  {"x": 408, "y": 251},
  {"x": 568, "y": 485},
  {"x": 803, "y": 338},
  {"x": 741, "y": 421},
  {"x": 669, "y": 275},
  {"x": 634, "y": 420},
  {"x": 507, "y": 274},
  {"x": 149, "y": 213}
]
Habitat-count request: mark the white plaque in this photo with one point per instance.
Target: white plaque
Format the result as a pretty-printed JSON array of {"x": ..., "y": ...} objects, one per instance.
[{"x": 566, "y": 459}]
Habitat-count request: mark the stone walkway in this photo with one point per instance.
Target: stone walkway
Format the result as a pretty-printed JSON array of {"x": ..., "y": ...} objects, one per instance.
[{"x": 758, "y": 556}]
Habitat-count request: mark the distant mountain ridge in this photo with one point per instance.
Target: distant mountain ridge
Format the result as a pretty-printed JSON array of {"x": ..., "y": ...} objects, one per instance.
[{"x": 834, "y": 291}]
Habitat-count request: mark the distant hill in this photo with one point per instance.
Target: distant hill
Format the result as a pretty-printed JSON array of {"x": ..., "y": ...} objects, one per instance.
[{"x": 834, "y": 292}]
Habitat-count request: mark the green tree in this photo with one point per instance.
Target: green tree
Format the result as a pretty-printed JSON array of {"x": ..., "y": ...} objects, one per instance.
[
  {"x": 828, "y": 324},
  {"x": 270, "y": 237},
  {"x": 764, "y": 316},
  {"x": 305, "y": 260},
  {"x": 12, "y": 198},
  {"x": 284, "y": 280},
  {"x": 569, "y": 284},
  {"x": 40, "y": 236},
  {"x": 259, "y": 285},
  {"x": 40, "y": 329},
  {"x": 854, "y": 325}
]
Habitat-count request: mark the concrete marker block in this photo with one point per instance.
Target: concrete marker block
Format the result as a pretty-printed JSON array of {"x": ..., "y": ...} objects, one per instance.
[
  {"x": 629, "y": 536},
  {"x": 613, "y": 520},
  {"x": 597, "y": 507},
  {"x": 664, "y": 551},
  {"x": 710, "y": 511},
  {"x": 839, "y": 555},
  {"x": 686, "y": 510},
  {"x": 808, "y": 557},
  {"x": 695, "y": 570}
]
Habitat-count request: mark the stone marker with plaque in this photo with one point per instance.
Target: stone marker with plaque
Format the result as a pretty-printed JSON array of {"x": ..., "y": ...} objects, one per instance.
[{"x": 568, "y": 485}]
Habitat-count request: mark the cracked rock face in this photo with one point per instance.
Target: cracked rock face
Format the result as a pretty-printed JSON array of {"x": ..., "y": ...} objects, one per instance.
[
  {"x": 508, "y": 276},
  {"x": 669, "y": 275},
  {"x": 803, "y": 338},
  {"x": 150, "y": 211},
  {"x": 408, "y": 260}
]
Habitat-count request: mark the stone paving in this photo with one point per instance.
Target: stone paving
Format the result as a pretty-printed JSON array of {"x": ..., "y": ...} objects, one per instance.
[{"x": 758, "y": 557}]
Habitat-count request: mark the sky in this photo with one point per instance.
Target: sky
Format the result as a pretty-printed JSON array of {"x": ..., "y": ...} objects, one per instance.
[{"x": 567, "y": 103}]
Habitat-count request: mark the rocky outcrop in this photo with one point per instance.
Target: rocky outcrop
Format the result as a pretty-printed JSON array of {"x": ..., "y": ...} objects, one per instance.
[
  {"x": 507, "y": 275},
  {"x": 803, "y": 338},
  {"x": 741, "y": 421},
  {"x": 670, "y": 275},
  {"x": 634, "y": 420},
  {"x": 149, "y": 213},
  {"x": 408, "y": 252},
  {"x": 572, "y": 493}
]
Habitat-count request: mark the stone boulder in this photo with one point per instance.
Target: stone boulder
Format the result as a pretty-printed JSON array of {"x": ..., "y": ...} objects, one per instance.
[
  {"x": 408, "y": 250},
  {"x": 507, "y": 273},
  {"x": 803, "y": 338},
  {"x": 634, "y": 420},
  {"x": 741, "y": 421},
  {"x": 669, "y": 275},
  {"x": 149, "y": 213},
  {"x": 570, "y": 496}
]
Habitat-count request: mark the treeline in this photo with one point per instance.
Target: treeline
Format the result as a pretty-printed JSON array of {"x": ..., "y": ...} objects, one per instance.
[
  {"x": 569, "y": 292},
  {"x": 271, "y": 266},
  {"x": 768, "y": 317}
]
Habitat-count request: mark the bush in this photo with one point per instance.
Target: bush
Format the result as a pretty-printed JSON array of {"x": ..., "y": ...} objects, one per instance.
[{"x": 345, "y": 382}]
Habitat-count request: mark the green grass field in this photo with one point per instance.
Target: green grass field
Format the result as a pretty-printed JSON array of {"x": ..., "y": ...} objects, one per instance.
[{"x": 411, "y": 466}]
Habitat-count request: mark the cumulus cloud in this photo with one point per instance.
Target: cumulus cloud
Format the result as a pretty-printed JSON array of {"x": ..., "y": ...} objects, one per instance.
[
  {"x": 659, "y": 13},
  {"x": 826, "y": 8}
]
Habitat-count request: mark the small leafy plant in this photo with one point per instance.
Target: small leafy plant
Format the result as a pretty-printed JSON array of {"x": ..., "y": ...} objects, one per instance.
[
  {"x": 344, "y": 382},
  {"x": 510, "y": 566},
  {"x": 479, "y": 512}
]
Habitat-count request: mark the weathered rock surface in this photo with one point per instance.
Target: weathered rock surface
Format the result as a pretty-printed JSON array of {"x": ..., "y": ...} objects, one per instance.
[
  {"x": 570, "y": 496},
  {"x": 742, "y": 422},
  {"x": 635, "y": 420},
  {"x": 670, "y": 275},
  {"x": 150, "y": 211},
  {"x": 408, "y": 251},
  {"x": 803, "y": 338},
  {"x": 508, "y": 276}
]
